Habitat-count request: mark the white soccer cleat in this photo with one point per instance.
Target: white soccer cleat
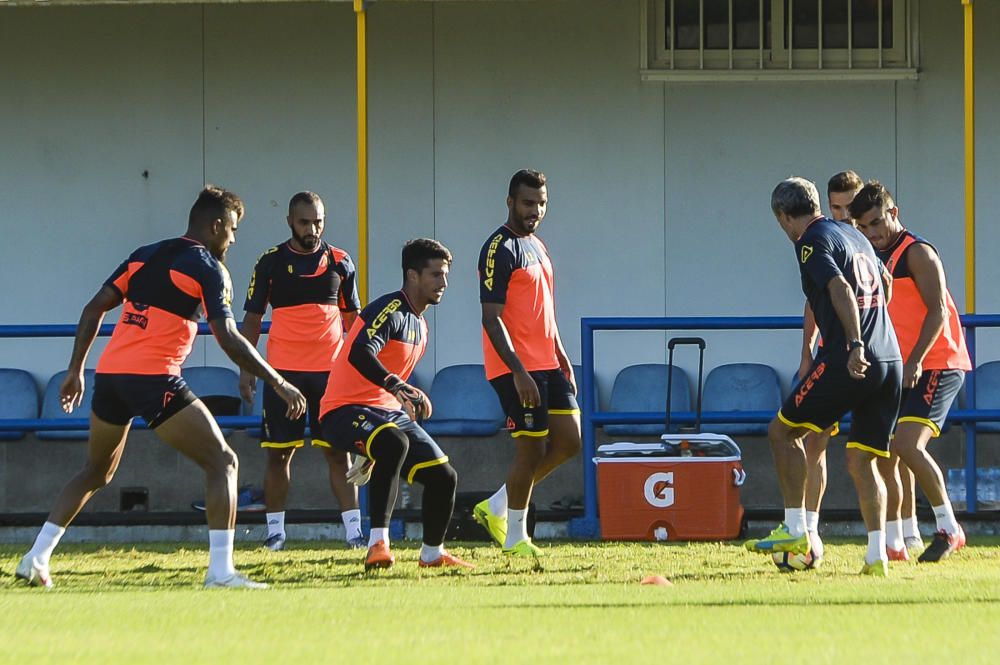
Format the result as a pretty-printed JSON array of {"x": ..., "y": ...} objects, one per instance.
[
  {"x": 32, "y": 572},
  {"x": 234, "y": 581},
  {"x": 361, "y": 471}
]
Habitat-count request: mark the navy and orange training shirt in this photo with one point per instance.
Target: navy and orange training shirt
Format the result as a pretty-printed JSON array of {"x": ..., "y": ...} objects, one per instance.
[
  {"x": 395, "y": 335},
  {"x": 827, "y": 250},
  {"x": 166, "y": 286},
  {"x": 307, "y": 293},
  {"x": 515, "y": 271}
]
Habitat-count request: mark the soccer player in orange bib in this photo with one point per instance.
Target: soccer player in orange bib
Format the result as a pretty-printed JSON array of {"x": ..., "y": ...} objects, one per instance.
[
  {"x": 369, "y": 408},
  {"x": 936, "y": 360},
  {"x": 312, "y": 290},
  {"x": 165, "y": 288},
  {"x": 525, "y": 360}
]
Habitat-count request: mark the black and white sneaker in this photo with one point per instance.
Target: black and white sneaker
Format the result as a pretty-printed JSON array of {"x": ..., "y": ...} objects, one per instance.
[
  {"x": 943, "y": 546},
  {"x": 275, "y": 542}
]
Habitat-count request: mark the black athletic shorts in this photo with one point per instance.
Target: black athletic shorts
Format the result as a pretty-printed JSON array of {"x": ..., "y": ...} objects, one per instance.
[
  {"x": 829, "y": 392},
  {"x": 557, "y": 399},
  {"x": 353, "y": 427},
  {"x": 278, "y": 430},
  {"x": 928, "y": 402},
  {"x": 118, "y": 398}
]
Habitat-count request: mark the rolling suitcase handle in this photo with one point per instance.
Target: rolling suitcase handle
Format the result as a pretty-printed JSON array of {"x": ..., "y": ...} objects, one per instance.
[{"x": 684, "y": 341}]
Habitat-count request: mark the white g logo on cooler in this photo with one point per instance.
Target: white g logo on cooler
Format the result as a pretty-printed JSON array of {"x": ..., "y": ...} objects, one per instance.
[{"x": 659, "y": 489}]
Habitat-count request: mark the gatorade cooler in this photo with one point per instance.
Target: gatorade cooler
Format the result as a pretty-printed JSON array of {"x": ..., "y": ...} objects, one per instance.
[{"x": 685, "y": 488}]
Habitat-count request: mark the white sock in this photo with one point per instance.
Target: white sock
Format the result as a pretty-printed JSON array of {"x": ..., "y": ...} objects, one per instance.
[
  {"x": 276, "y": 523},
  {"x": 381, "y": 533},
  {"x": 894, "y": 535},
  {"x": 795, "y": 520},
  {"x": 816, "y": 544},
  {"x": 220, "y": 553},
  {"x": 945, "y": 518},
  {"x": 430, "y": 553},
  {"x": 352, "y": 523},
  {"x": 46, "y": 541},
  {"x": 498, "y": 502},
  {"x": 517, "y": 527},
  {"x": 911, "y": 528},
  {"x": 812, "y": 521},
  {"x": 876, "y": 547}
]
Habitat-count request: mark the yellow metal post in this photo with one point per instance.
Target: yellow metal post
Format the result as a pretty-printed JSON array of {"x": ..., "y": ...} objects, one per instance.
[
  {"x": 970, "y": 165},
  {"x": 362, "y": 83}
]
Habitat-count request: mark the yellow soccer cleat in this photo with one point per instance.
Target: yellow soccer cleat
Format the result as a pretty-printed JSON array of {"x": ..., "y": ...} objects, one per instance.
[
  {"x": 494, "y": 525},
  {"x": 780, "y": 540},
  {"x": 878, "y": 569},
  {"x": 524, "y": 548}
]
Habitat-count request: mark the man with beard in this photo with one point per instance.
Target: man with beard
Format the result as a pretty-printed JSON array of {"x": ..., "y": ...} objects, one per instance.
[
  {"x": 312, "y": 291},
  {"x": 525, "y": 361},
  {"x": 164, "y": 287}
]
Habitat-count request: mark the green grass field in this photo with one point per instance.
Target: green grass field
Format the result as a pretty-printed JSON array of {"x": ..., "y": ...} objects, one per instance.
[{"x": 144, "y": 604}]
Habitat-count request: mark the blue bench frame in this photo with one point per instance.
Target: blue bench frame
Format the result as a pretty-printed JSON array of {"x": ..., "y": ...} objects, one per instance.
[{"x": 588, "y": 525}]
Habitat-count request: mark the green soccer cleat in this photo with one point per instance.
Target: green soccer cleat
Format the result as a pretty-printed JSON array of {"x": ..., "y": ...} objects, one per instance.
[
  {"x": 878, "y": 569},
  {"x": 494, "y": 525},
  {"x": 524, "y": 548},
  {"x": 780, "y": 540}
]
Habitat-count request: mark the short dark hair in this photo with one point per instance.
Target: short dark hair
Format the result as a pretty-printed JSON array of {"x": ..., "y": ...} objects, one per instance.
[
  {"x": 872, "y": 195},
  {"x": 418, "y": 252},
  {"x": 530, "y": 177},
  {"x": 845, "y": 181},
  {"x": 795, "y": 197},
  {"x": 308, "y": 197},
  {"x": 213, "y": 203}
]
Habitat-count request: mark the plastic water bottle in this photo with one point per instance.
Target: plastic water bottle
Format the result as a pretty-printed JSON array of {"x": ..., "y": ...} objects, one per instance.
[{"x": 404, "y": 495}]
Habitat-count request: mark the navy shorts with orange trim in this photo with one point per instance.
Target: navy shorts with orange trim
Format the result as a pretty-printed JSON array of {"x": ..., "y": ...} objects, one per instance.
[
  {"x": 156, "y": 397},
  {"x": 557, "y": 396},
  {"x": 353, "y": 427},
  {"x": 280, "y": 432},
  {"x": 828, "y": 392},
  {"x": 929, "y": 401}
]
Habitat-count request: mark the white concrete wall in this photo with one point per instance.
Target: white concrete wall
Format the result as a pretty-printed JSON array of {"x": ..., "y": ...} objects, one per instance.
[{"x": 659, "y": 192}]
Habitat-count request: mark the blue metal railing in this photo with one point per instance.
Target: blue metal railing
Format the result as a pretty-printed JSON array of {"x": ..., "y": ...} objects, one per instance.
[
  {"x": 65, "y": 424},
  {"x": 588, "y": 525}
]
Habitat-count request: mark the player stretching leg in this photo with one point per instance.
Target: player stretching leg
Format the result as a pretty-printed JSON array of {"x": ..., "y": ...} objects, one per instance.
[{"x": 369, "y": 408}]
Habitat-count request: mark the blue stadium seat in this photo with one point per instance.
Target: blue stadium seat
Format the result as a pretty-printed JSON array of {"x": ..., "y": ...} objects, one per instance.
[
  {"x": 18, "y": 399},
  {"x": 52, "y": 409},
  {"x": 217, "y": 387},
  {"x": 644, "y": 388},
  {"x": 741, "y": 387},
  {"x": 987, "y": 378},
  {"x": 465, "y": 404}
]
